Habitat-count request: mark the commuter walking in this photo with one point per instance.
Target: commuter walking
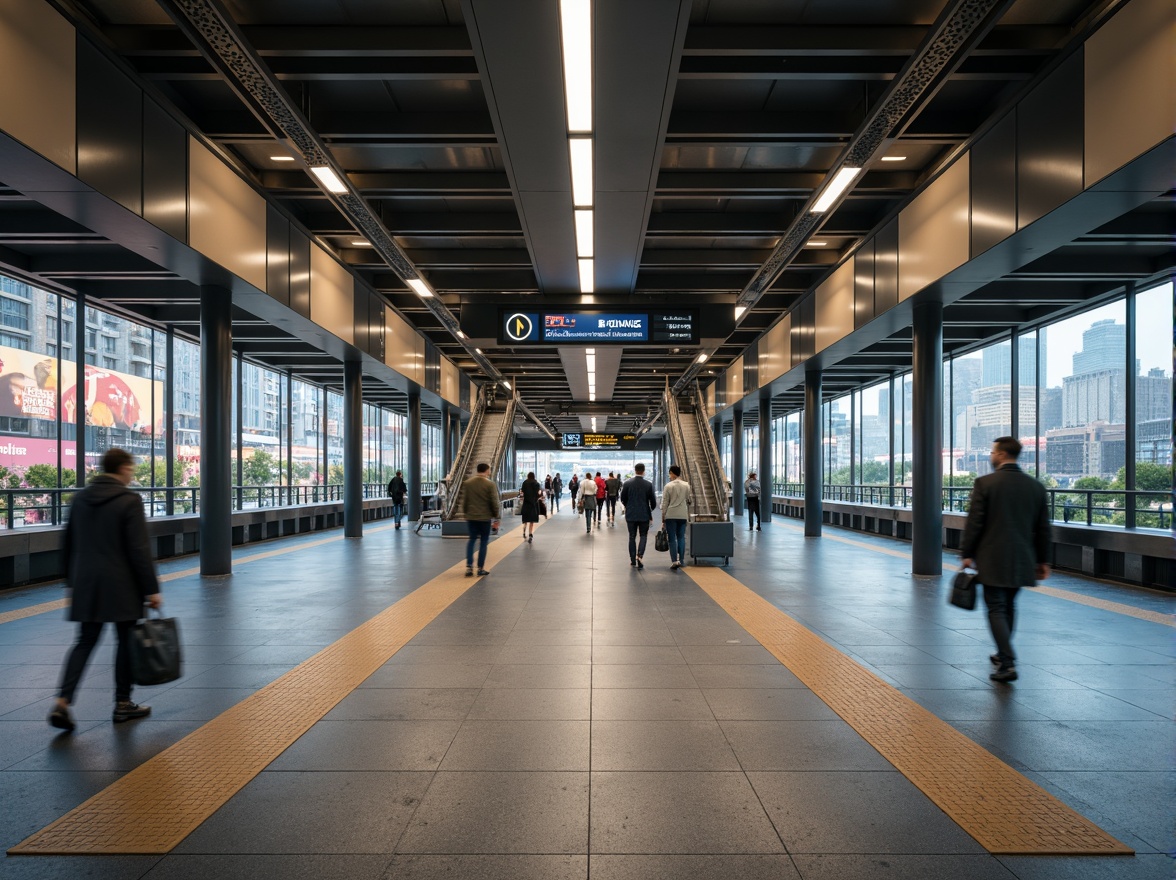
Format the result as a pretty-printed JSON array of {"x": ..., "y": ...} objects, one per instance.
[
  {"x": 556, "y": 492},
  {"x": 396, "y": 491},
  {"x": 612, "y": 491},
  {"x": 601, "y": 494},
  {"x": 574, "y": 490},
  {"x": 482, "y": 509},
  {"x": 110, "y": 576},
  {"x": 587, "y": 504},
  {"x": 751, "y": 493},
  {"x": 529, "y": 494},
  {"x": 640, "y": 502},
  {"x": 547, "y": 490},
  {"x": 1006, "y": 539},
  {"x": 676, "y": 500}
]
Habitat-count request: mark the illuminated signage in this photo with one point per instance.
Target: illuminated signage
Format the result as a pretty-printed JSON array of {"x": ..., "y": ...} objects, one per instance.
[
  {"x": 599, "y": 441},
  {"x": 598, "y": 328}
]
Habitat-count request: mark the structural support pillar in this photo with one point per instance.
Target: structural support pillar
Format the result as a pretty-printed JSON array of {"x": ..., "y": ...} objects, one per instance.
[
  {"x": 927, "y": 441},
  {"x": 79, "y": 349},
  {"x": 765, "y": 458},
  {"x": 216, "y": 424},
  {"x": 352, "y": 449},
  {"x": 737, "y": 465},
  {"x": 446, "y": 439},
  {"x": 814, "y": 477},
  {"x": 413, "y": 477}
]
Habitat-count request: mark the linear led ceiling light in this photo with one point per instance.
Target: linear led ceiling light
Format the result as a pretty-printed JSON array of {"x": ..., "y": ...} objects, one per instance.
[
  {"x": 583, "y": 232},
  {"x": 580, "y": 153},
  {"x": 420, "y": 287},
  {"x": 587, "y": 276},
  {"x": 893, "y": 158},
  {"x": 702, "y": 358},
  {"x": 328, "y": 178},
  {"x": 834, "y": 188},
  {"x": 739, "y": 310},
  {"x": 575, "y": 26}
]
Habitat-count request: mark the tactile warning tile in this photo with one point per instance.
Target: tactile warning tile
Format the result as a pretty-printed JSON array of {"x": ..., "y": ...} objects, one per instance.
[
  {"x": 1107, "y": 605},
  {"x": 33, "y": 610},
  {"x": 157, "y": 805},
  {"x": 1005, "y": 812}
]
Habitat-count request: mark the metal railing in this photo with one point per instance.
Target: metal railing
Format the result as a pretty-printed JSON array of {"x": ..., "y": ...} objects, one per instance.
[
  {"x": 719, "y": 481},
  {"x": 27, "y": 508},
  {"x": 1082, "y": 506},
  {"x": 461, "y": 463}
]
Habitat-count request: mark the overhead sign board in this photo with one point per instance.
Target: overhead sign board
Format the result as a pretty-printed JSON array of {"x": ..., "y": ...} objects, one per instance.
[
  {"x": 666, "y": 326},
  {"x": 599, "y": 441}
]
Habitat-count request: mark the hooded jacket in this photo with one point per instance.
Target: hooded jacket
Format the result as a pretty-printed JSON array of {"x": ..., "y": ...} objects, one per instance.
[{"x": 107, "y": 556}]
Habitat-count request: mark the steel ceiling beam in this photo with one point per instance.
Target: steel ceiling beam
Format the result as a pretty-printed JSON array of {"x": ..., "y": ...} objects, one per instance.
[
  {"x": 959, "y": 27},
  {"x": 218, "y": 37}
]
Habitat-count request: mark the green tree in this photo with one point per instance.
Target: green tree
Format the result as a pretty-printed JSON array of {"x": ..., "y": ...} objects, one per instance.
[
  {"x": 875, "y": 473},
  {"x": 1089, "y": 483},
  {"x": 1149, "y": 476},
  {"x": 41, "y": 476},
  {"x": 260, "y": 469},
  {"x": 335, "y": 475}
]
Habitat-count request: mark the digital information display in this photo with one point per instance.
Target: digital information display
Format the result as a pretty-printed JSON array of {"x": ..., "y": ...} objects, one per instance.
[
  {"x": 599, "y": 441},
  {"x": 599, "y": 328}
]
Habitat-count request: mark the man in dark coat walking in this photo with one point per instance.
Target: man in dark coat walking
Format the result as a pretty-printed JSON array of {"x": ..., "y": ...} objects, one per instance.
[
  {"x": 397, "y": 489},
  {"x": 110, "y": 575},
  {"x": 640, "y": 501},
  {"x": 1006, "y": 539}
]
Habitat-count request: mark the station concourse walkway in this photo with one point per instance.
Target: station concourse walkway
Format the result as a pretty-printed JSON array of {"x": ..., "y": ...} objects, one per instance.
[{"x": 569, "y": 716}]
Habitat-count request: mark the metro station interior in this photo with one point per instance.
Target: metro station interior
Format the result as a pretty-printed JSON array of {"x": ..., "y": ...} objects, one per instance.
[{"x": 288, "y": 250}]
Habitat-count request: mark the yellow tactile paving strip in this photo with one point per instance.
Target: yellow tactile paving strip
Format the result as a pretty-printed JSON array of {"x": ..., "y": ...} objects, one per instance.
[
  {"x": 1068, "y": 595},
  {"x": 158, "y": 804},
  {"x": 1107, "y": 605},
  {"x": 1005, "y": 812},
  {"x": 56, "y": 604}
]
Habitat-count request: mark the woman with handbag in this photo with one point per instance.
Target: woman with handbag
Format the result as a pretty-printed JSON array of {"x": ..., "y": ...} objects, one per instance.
[
  {"x": 587, "y": 505},
  {"x": 529, "y": 494},
  {"x": 676, "y": 500}
]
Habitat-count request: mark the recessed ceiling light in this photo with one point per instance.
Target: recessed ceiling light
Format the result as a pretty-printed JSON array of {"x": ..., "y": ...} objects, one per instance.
[
  {"x": 460, "y": 335},
  {"x": 702, "y": 358},
  {"x": 575, "y": 25},
  {"x": 841, "y": 181},
  {"x": 361, "y": 243},
  {"x": 739, "y": 312},
  {"x": 592, "y": 395},
  {"x": 587, "y": 276},
  {"x": 815, "y": 243},
  {"x": 580, "y": 156},
  {"x": 329, "y": 178},
  {"x": 894, "y": 158},
  {"x": 583, "y": 232},
  {"x": 420, "y": 287},
  {"x": 478, "y": 350},
  {"x": 282, "y": 158}
]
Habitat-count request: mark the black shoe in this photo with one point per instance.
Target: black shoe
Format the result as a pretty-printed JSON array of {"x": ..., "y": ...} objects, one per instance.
[
  {"x": 61, "y": 719},
  {"x": 469, "y": 571},
  {"x": 633, "y": 563},
  {"x": 1005, "y": 673},
  {"x": 482, "y": 571},
  {"x": 674, "y": 565},
  {"x": 125, "y": 710},
  {"x": 758, "y": 529},
  {"x": 994, "y": 659},
  {"x": 640, "y": 564}
]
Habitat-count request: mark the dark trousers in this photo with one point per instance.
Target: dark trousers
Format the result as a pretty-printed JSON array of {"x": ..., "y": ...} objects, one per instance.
[
  {"x": 599, "y": 509},
  {"x": 676, "y": 532},
  {"x": 479, "y": 530},
  {"x": 589, "y": 515},
  {"x": 397, "y": 511},
  {"x": 753, "y": 511},
  {"x": 634, "y": 528},
  {"x": 1000, "y": 602},
  {"x": 612, "y": 506},
  {"x": 555, "y": 500},
  {"x": 79, "y": 656}
]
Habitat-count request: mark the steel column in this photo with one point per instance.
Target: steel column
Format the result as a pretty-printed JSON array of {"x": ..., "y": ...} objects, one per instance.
[
  {"x": 814, "y": 463},
  {"x": 927, "y": 440},
  {"x": 216, "y": 401},
  {"x": 79, "y": 348},
  {"x": 765, "y": 458},
  {"x": 352, "y": 449},
  {"x": 169, "y": 433},
  {"x": 737, "y": 468},
  {"x": 413, "y": 477},
  {"x": 1130, "y": 409}
]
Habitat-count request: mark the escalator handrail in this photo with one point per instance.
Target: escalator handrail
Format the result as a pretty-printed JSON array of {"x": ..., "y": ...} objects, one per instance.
[{"x": 461, "y": 465}]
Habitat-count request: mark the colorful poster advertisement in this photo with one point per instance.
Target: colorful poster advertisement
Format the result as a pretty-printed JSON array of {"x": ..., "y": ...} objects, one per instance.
[{"x": 31, "y": 389}]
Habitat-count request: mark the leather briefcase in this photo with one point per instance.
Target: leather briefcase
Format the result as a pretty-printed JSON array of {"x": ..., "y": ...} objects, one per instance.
[{"x": 963, "y": 589}]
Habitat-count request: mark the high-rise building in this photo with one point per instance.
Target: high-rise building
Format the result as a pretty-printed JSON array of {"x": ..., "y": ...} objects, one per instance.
[{"x": 1103, "y": 347}]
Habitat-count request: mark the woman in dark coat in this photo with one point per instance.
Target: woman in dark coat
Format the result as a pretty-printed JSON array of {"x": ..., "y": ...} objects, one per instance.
[
  {"x": 111, "y": 576},
  {"x": 530, "y": 493}
]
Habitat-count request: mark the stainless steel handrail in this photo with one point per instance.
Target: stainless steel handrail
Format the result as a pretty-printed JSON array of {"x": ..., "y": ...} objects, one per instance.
[{"x": 461, "y": 464}]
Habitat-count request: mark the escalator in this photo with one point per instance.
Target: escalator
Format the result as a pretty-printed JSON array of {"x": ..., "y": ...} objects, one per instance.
[
  {"x": 486, "y": 440},
  {"x": 693, "y": 448}
]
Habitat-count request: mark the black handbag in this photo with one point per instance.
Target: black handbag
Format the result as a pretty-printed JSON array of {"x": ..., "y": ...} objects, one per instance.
[
  {"x": 155, "y": 651},
  {"x": 963, "y": 589},
  {"x": 661, "y": 541}
]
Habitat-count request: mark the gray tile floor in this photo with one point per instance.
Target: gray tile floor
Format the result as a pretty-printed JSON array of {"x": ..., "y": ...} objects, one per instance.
[{"x": 571, "y": 716}]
